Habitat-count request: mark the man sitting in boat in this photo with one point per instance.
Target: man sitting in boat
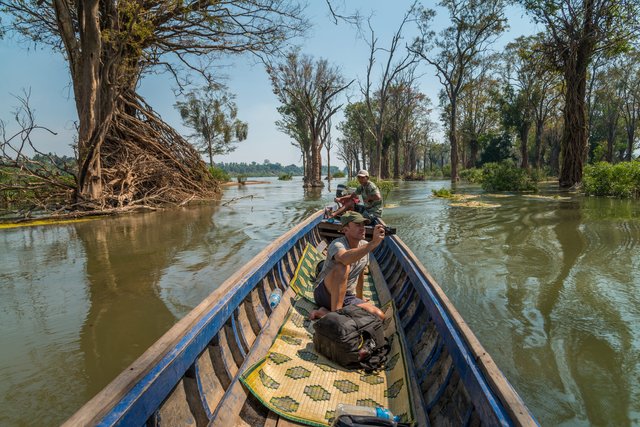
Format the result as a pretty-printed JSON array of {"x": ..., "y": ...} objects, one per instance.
[
  {"x": 371, "y": 197},
  {"x": 341, "y": 279}
]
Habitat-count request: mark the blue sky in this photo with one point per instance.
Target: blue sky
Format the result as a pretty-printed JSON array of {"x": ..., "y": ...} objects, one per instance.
[{"x": 45, "y": 73}]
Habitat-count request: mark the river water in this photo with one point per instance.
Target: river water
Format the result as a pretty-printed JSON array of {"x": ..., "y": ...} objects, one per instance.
[{"x": 549, "y": 285}]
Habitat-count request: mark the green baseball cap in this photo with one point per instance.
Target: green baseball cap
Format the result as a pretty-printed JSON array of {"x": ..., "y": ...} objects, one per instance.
[{"x": 352, "y": 216}]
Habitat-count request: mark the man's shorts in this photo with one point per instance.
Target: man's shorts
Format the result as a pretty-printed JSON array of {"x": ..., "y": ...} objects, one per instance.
[{"x": 323, "y": 298}]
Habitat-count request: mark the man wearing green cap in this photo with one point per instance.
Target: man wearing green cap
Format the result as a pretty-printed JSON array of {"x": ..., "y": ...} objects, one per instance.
[{"x": 341, "y": 279}]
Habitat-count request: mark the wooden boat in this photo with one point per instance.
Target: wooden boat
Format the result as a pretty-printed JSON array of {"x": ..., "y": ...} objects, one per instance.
[{"x": 191, "y": 374}]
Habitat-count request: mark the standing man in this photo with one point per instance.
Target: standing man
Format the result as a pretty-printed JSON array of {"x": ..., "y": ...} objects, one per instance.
[
  {"x": 341, "y": 279},
  {"x": 370, "y": 197}
]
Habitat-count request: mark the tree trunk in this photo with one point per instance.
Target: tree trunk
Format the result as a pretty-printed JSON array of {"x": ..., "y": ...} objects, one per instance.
[
  {"x": 524, "y": 139},
  {"x": 94, "y": 112},
  {"x": 630, "y": 140},
  {"x": 574, "y": 134},
  {"x": 210, "y": 150},
  {"x": 396, "y": 158},
  {"x": 538, "y": 143},
  {"x": 329, "y": 167},
  {"x": 377, "y": 170},
  {"x": 315, "y": 178},
  {"x": 453, "y": 140},
  {"x": 473, "y": 155}
]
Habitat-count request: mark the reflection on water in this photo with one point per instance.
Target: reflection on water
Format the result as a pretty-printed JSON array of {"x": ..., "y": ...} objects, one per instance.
[{"x": 550, "y": 287}]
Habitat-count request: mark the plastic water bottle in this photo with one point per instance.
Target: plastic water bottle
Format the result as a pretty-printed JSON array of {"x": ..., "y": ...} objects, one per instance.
[
  {"x": 275, "y": 297},
  {"x": 367, "y": 411}
]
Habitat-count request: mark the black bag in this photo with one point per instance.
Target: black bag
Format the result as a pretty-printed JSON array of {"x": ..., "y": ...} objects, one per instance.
[{"x": 353, "y": 338}]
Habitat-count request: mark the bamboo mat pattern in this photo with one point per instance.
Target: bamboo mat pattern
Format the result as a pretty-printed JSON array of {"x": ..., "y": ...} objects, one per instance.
[{"x": 301, "y": 385}]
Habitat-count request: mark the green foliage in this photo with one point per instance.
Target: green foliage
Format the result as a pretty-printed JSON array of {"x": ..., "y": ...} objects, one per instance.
[
  {"x": 497, "y": 148},
  {"x": 384, "y": 186},
  {"x": 443, "y": 192},
  {"x": 338, "y": 174},
  {"x": 472, "y": 175},
  {"x": 285, "y": 177},
  {"x": 212, "y": 114},
  {"x": 620, "y": 180},
  {"x": 260, "y": 169},
  {"x": 446, "y": 171},
  {"x": 219, "y": 174},
  {"x": 242, "y": 178},
  {"x": 506, "y": 176}
]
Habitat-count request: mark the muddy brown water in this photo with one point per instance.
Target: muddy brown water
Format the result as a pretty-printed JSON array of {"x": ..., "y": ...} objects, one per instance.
[{"x": 549, "y": 285}]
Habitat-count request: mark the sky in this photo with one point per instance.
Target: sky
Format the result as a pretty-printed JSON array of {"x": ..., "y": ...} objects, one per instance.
[{"x": 45, "y": 74}]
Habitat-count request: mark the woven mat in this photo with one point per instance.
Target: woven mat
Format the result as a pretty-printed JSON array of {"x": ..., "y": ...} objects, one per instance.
[{"x": 301, "y": 385}]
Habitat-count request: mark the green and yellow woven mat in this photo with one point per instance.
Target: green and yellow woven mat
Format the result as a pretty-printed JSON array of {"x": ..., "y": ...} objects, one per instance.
[
  {"x": 302, "y": 282},
  {"x": 299, "y": 384}
]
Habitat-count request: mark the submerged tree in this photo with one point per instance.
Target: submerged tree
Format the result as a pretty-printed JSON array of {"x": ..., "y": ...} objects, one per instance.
[
  {"x": 123, "y": 146},
  {"x": 308, "y": 91},
  {"x": 577, "y": 30},
  {"x": 212, "y": 114},
  {"x": 377, "y": 98},
  {"x": 475, "y": 25}
]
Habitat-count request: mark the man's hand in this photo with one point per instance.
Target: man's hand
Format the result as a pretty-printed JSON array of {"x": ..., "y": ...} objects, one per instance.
[{"x": 378, "y": 236}]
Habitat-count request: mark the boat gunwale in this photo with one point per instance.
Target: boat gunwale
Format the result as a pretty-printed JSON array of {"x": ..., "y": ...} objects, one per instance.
[
  {"x": 487, "y": 382},
  {"x": 140, "y": 389}
]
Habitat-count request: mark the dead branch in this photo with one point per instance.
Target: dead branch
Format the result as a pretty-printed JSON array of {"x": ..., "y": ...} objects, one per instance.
[{"x": 228, "y": 202}]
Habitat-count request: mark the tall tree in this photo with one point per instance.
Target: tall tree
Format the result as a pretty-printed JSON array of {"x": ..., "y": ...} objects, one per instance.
[
  {"x": 576, "y": 30},
  {"x": 308, "y": 90},
  {"x": 212, "y": 114},
  {"x": 355, "y": 131},
  {"x": 475, "y": 25},
  {"x": 630, "y": 68},
  {"x": 110, "y": 44},
  {"x": 478, "y": 114},
  {"x": 376, "y": 99}
]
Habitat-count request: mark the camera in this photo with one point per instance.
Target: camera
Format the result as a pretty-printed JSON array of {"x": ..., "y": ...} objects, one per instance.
[{"x": 389, "y": 230}]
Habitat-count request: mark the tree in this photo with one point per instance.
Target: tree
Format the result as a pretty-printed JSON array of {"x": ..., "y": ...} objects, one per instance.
[
  {"x": 630, "y": 68},
  {"x": 406, "y": 106},
  {"x": 475, "y": 25},
  {"x": 212, "y": 114},
  {"x": 576, "y": 31},
  {"x": 357, "y": 139},
  {"x": 110, "y": 44},
  {"x": 376, "y": 100},
  {"x": 478, "y": 114},
  {"x": 308, "y": 91}
]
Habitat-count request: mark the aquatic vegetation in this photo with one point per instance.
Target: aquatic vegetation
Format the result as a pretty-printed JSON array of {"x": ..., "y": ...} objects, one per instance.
[
  {"x": 621, "y": 180},
  {"x": 444, "y": 193},
  {"x": 506, "y": 176}
]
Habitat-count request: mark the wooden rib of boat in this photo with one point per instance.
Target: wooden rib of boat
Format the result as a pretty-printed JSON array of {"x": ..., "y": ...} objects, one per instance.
[{"x": 190, "y": 376}]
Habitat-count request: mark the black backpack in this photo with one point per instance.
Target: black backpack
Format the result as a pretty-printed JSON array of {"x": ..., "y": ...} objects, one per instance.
[{"x": 353, "y": 338}]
